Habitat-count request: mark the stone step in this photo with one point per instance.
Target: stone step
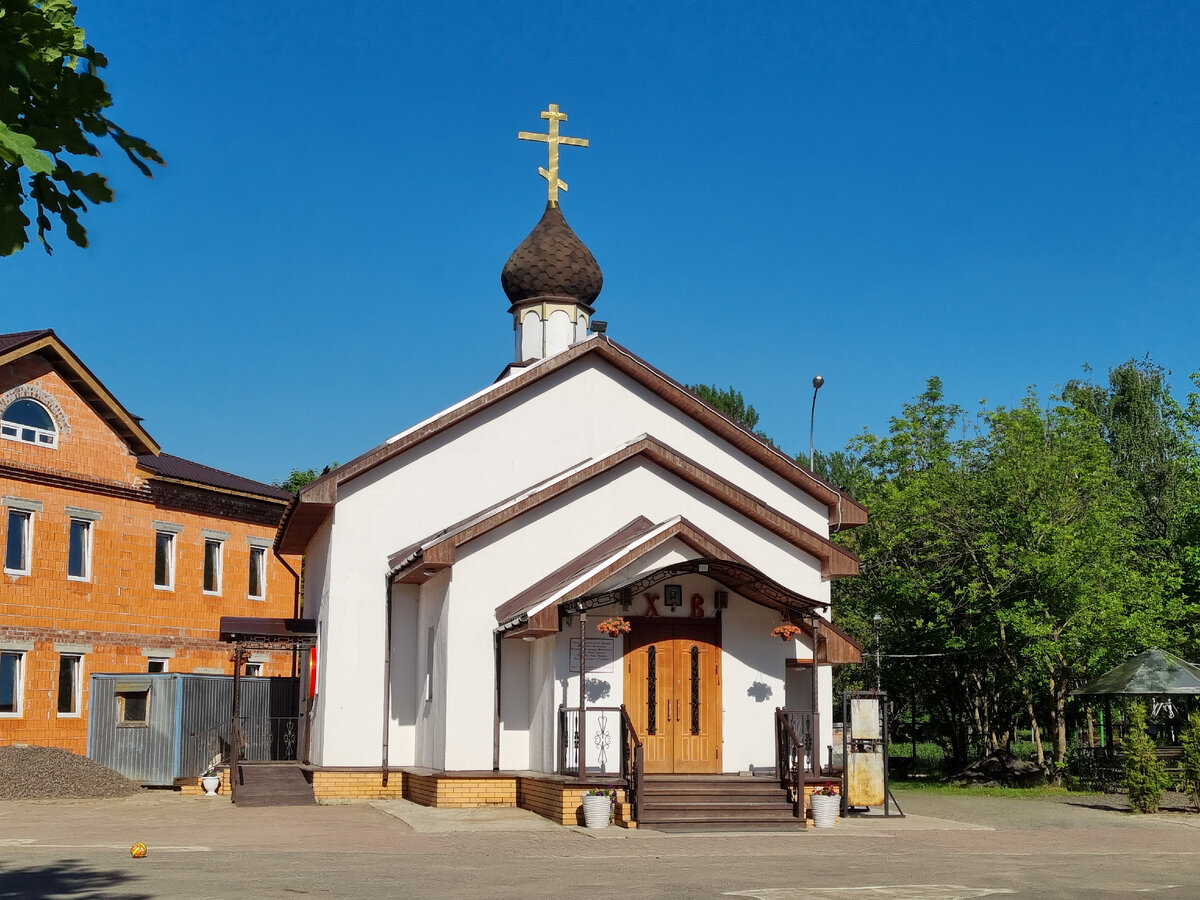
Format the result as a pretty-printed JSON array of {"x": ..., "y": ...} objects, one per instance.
[{"x": 273, "y": 785}]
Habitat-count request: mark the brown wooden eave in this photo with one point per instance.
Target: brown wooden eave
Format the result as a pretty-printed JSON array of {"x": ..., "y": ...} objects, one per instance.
[
  {"x": 844, "y": 511},
  {"x": 89, "y": 388},
  {"x": 836, "y": 561}
]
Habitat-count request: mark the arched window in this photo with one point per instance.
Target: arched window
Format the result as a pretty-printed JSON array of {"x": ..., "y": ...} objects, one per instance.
[{"x": 27, "y": 420}]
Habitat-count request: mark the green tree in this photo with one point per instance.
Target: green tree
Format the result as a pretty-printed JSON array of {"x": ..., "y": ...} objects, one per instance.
[
  {"x": 1145, "y": 778},
  {"x": 728, "y": 401},
  {"x": 1190, "y": 740},
  {"x": 301, "y": 477},
  {"x": 53, "y": 106}
]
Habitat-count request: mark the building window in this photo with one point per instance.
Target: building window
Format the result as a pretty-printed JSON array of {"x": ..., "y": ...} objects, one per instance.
[
  {"x": 11, "y": 665},
  {"x": 156, "y": 664},
  {"x": 133, "y": 706},
  {"x": 79, "y": 550},
  {"x": 212, "y": 566},
  {"x": 258, "y": 574},
  {"x": 253, "y": 669},
  {"x": 69, "y": 667},
  {"x": 29, "y": 422},
  {"x": 164, "y": 560},
  {"x": 18, "y": 542}
]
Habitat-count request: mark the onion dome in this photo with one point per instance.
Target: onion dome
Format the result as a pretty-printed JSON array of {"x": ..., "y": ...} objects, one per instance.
[{"x": 552, "y": 262}]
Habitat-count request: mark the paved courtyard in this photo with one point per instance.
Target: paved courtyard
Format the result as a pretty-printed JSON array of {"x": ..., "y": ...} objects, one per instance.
[{"x": 949, "y": 846}]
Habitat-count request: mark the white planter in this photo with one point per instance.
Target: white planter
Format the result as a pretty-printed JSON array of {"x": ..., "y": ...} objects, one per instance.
[
  {"x": 211, "y": 783},
  {"x": 597, "y": 810},
  {"x": 825, "y": 810}
]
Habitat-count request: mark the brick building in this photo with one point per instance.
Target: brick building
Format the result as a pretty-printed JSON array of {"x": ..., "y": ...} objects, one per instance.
[{"x": 117, "y": 557}]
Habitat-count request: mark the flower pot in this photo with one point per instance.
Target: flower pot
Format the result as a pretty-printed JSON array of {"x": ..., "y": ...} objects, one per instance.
[
  {"x": 825, "y": 810},
  {"x": 597, "y": 810},
  {"x": 211, "y": 783}
]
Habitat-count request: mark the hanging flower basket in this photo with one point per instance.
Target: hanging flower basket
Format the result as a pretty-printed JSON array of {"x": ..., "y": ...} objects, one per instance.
[
  {"x": 614, "y": 626},
  {"x": 785, "y": 632}
]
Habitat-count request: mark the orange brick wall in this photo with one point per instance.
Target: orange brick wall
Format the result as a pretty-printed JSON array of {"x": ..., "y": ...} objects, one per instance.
[{"x": 118, "y": 615}]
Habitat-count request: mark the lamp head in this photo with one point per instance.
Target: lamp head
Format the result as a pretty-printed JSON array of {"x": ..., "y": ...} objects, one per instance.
[{"x": 817, "y": 382}]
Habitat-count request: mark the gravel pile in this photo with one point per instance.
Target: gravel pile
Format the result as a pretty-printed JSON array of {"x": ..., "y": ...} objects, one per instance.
[{"x": 50, "y": 773}]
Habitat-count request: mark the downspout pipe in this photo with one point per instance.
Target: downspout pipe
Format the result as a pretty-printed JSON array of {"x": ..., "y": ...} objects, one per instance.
[
  {"x": 295, "y": 607},
  {"x": 496, "y": 639},
  {"x": 387, "y": 674}
]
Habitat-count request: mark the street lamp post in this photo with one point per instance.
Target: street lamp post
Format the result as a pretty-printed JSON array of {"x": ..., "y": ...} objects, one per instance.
[
  {"x": 878, "y": 620},
  {"x": 812, "y": 416}
]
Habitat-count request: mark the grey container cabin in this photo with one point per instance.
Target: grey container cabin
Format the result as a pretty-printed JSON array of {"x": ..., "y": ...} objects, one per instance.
[{"x": 155, "y": 728}]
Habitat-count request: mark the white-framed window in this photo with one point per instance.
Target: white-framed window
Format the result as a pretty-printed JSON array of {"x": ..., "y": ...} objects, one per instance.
[
  {"x": 257, "y": 588},
  {"x": 29, "y": 422},
  {"x": 213, "y": 554},
  {"x": 253, "y": 669},
  {"x": 70, "y": 668},
  {"x": 156, "y": 664},
  {"x": 18, "y": 541},
  {"x": 79, "y": 549},
  {"x": 164, "y": 560},
  {"x": 12, "y": 682}
]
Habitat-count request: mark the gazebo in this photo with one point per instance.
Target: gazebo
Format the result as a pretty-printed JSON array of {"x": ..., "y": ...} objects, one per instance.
[{"x": 1155, "y": 675}]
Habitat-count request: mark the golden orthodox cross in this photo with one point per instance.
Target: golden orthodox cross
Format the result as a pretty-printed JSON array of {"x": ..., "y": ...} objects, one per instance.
[{"x": 553, "y": 139}]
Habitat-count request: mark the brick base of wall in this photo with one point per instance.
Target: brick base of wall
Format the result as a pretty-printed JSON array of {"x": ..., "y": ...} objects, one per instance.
[{"x": 557, "y": 799}]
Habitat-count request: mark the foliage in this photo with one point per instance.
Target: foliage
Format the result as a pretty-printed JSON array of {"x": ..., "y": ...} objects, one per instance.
[
  {"x": 614, "y": 626},
  {"x": 609, "y": 792},
  {"x": 1012, "y": 556},
  {"x": 729, "y": 401},
  {"x": 1145, "y": 778},
  {"x": 1190, "y": 741},
  {"x": 52, "y": 109},
  {"x": 826, "y": 790},
  {"x": 302, "y": 477}
]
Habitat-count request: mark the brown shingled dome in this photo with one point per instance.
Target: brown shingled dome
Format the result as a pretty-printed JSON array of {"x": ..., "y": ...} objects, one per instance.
[{"x": 552, "y": 262}]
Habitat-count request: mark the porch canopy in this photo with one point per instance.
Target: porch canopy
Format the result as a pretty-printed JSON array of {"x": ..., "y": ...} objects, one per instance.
[
  {"x": 1151, "y": 673},
  {"x": 536, "y": 611},
  {"x": 262, "y": 632}
]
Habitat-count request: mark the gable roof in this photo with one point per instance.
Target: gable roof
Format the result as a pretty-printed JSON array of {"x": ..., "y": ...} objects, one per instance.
[
  {"x": 316, "y": 500},
  {"x": 607, "y": 558},
  {"x": 19, "y": 344},
  {"x": 440, "y": 549},
  {"x": 176, "y": 468}
]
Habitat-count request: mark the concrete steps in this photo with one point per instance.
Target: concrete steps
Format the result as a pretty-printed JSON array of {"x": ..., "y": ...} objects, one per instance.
[
  {"x": 273, "y": 784},
  {"x": 714, "y": 802}
]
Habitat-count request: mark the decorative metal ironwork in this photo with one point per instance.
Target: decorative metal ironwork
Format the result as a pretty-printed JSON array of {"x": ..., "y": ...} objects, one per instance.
[
  {"x": 695, "y": 689},
  {"x": 602, "y": 741},
  {"x": 733, "y": 575},
  {"x": 651, "y": 690}
]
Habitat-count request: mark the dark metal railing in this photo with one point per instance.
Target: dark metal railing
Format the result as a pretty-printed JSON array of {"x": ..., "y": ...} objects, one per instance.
[
  {"x": 268, "y": 738},
  {"x": 600, "y": 735},
  {"x": 794, "y": 753},
  {"x": 633, "y": 762},
  {"x": 206, "y": 750}
]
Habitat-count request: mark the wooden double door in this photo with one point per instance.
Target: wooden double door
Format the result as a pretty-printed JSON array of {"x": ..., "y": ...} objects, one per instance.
[{"x": 673, "y": 694}]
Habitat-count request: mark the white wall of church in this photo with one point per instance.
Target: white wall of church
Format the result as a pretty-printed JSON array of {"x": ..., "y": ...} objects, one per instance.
[{"x": 543, "y": 429}]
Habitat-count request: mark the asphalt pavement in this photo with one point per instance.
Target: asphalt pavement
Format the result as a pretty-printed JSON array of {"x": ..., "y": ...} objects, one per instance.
[{"x": 947, "y": 847}]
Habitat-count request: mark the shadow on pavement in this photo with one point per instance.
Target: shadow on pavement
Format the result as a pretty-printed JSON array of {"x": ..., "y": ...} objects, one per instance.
[{"x": 65, "y": 878}]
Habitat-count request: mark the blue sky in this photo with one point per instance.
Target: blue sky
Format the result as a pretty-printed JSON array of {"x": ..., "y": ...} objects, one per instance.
[{"x": 995, "y": 193}]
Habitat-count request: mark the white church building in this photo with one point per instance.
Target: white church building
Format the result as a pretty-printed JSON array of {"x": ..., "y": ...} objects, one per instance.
[{"x": 459, "y": 572}]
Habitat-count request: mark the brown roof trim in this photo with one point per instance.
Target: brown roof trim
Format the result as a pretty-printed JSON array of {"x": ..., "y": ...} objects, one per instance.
[
  {"x": 844, "y": 511},
  {"x": 80, "y": 377},
  {"x": 684, "y": 530},
  {"x": 590, "y": 557},
  {"x": 836, "y": 561}
]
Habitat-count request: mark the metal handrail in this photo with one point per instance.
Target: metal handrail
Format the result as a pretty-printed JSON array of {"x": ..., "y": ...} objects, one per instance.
[
  {"x": 634, "y": 759},
  {"x": 789, "y": 751},
  {"x": 206, "y": 750}
]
